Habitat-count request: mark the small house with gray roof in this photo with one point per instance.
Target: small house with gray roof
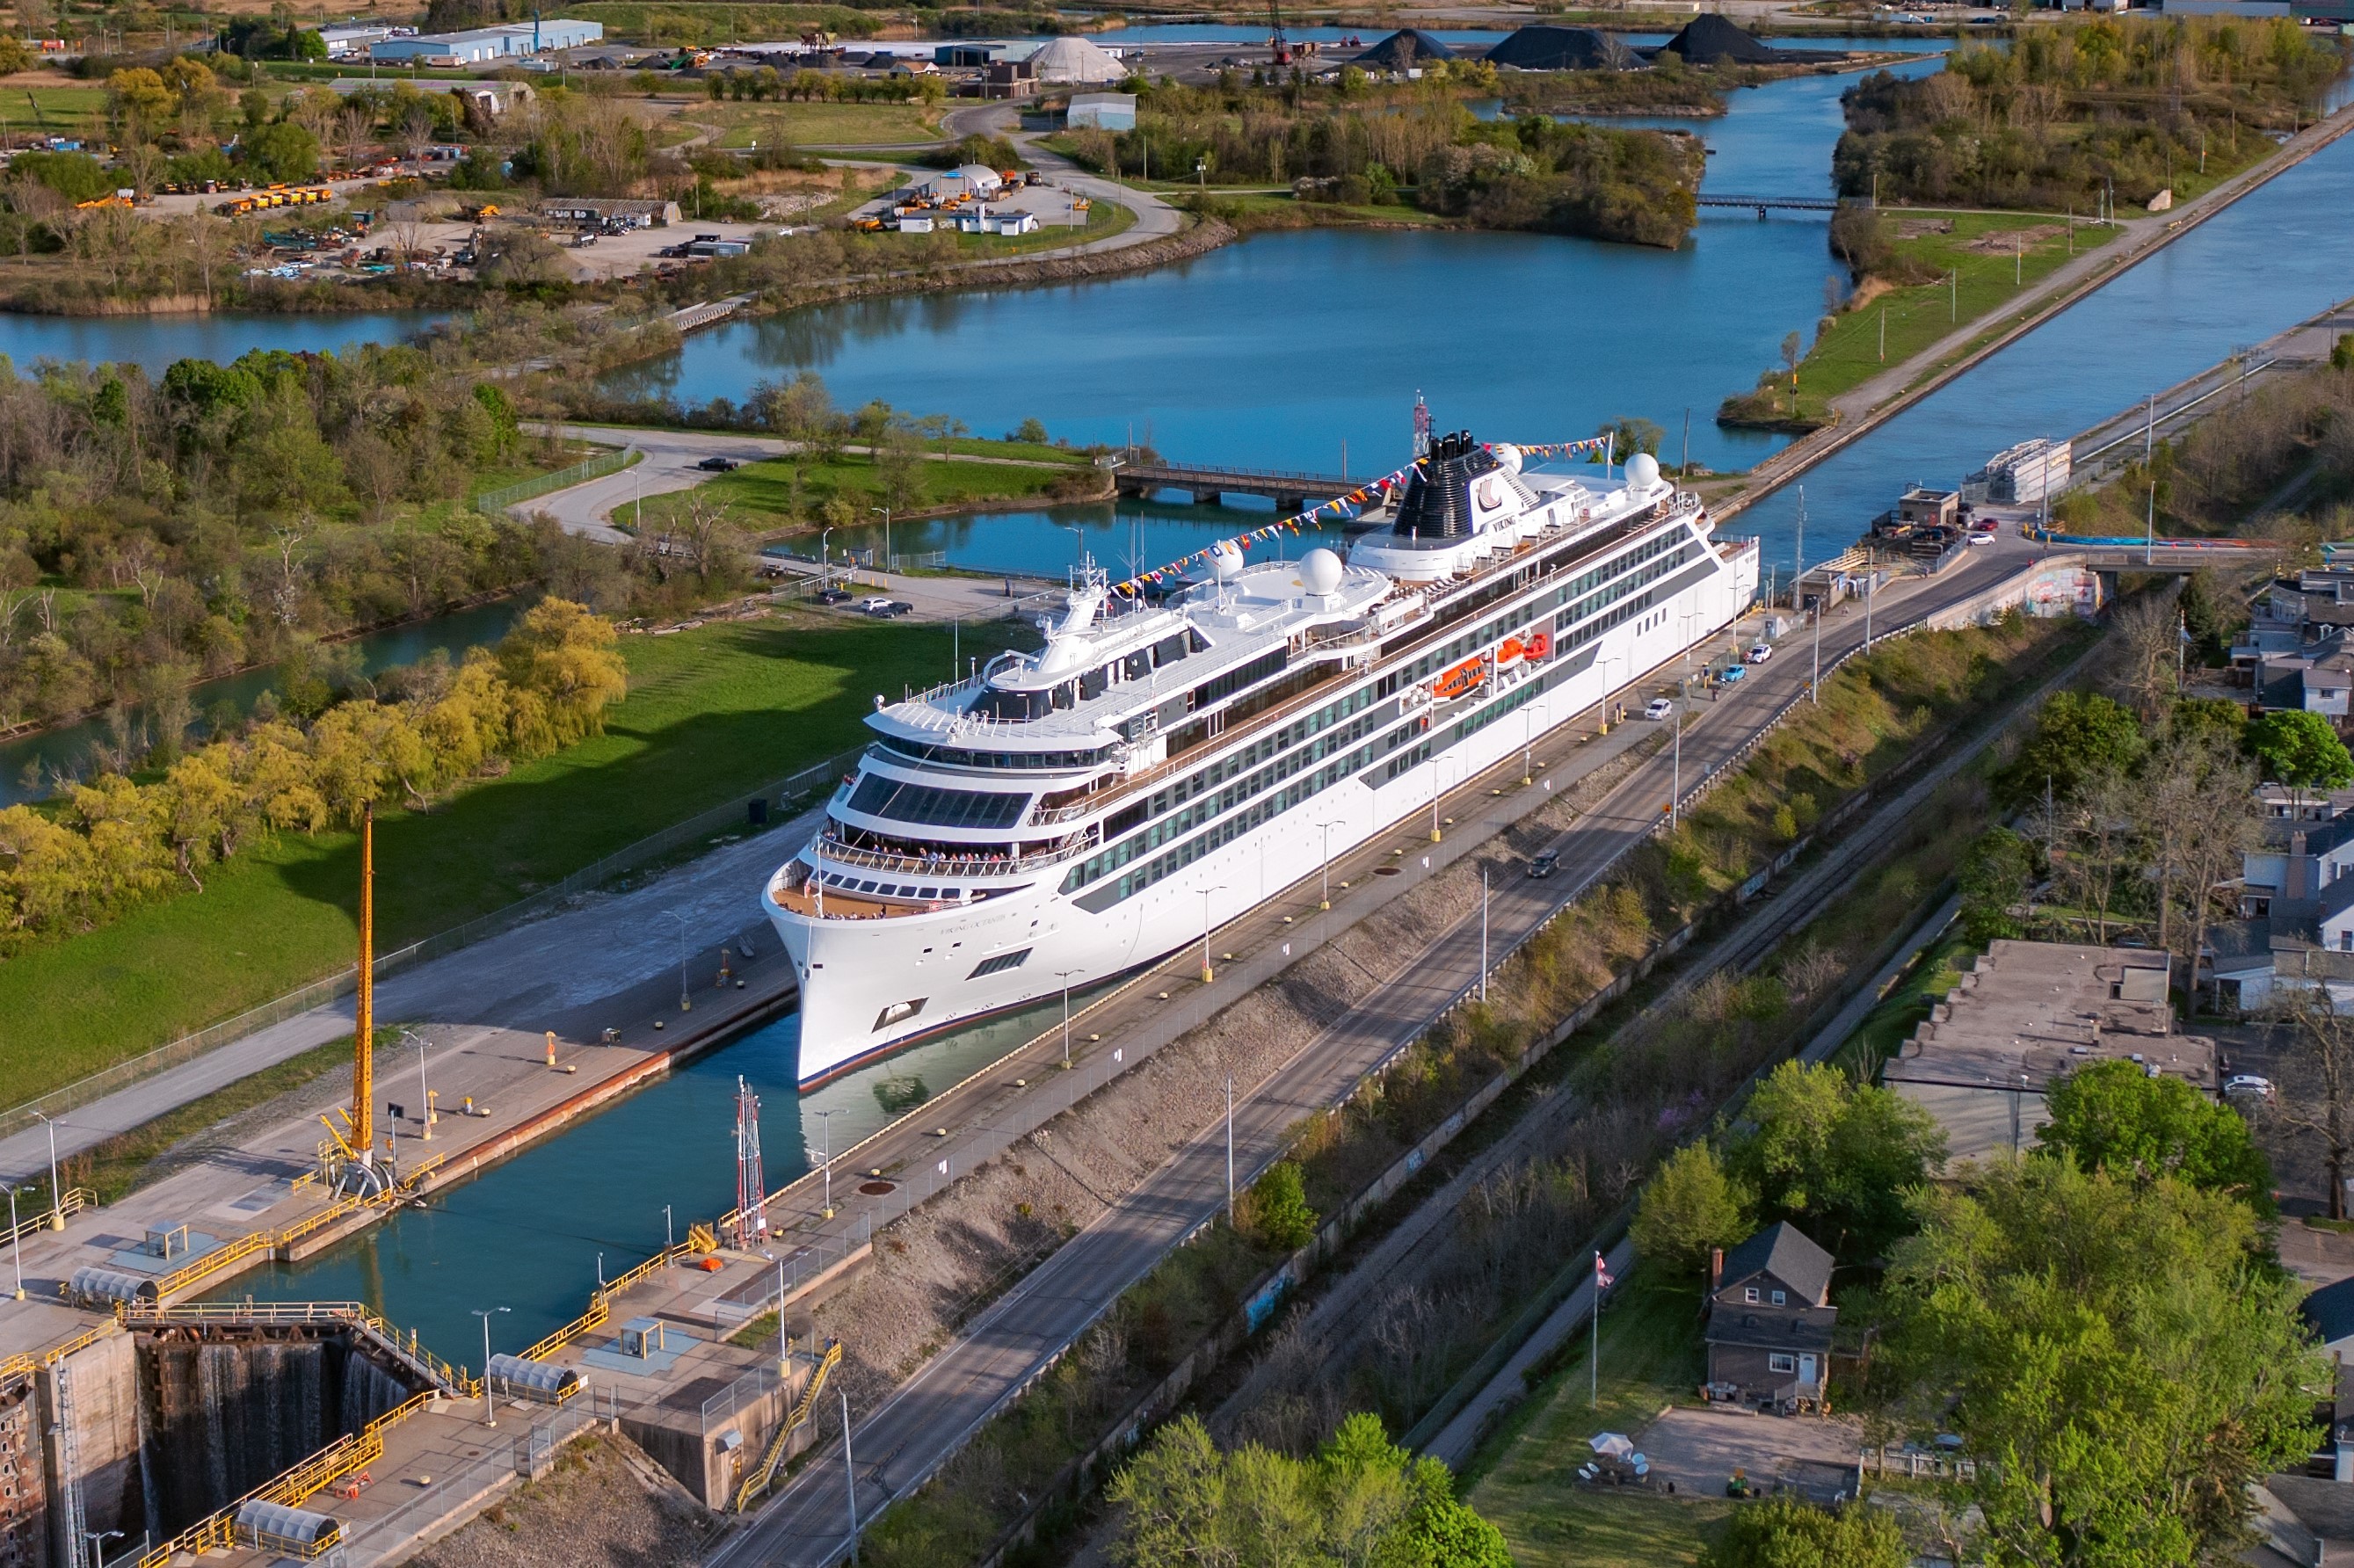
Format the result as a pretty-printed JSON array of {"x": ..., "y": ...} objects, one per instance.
[{"x": 1769, "y": 1321}]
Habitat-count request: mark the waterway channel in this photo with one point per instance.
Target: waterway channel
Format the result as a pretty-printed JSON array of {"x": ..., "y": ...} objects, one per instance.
[
  {"x": 1296, "y": 349},
  {"x": 532, "y": 1235},
  {"x": 153, "y": 342}
]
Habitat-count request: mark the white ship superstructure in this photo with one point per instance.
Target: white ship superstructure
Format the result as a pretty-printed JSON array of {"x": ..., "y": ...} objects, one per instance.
[{"x": 1155, "y": 770}]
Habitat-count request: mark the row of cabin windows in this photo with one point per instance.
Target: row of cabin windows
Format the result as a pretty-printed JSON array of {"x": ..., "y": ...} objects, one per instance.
[
  {"x": 893, "y": 800},
  {"x": 1517, "y": 580},
  {"x": 1640, "y": 605},
  {"x": 1212, "y": 806},
  {"x": 1242, "y": 760},
  {"x": 1088, "y": 684},
  {"x": 1242, "y": 823},
  {"x": 1621, "y": 589},
  {"x": 1457, "y": 648},
  {"x": 958, "y": 757}
]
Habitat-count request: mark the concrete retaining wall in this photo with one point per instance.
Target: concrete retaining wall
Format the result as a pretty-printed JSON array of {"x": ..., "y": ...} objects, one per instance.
[{"x": 23, "y": 1488}]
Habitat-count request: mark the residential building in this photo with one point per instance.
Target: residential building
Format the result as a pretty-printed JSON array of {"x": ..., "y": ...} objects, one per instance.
[
  {"x": 1769, "y": 1321},
  {"x": 2295, "y": 930},
  {"x": 2025, "y": 1016},
  {"x": 1008, "y": 79}
]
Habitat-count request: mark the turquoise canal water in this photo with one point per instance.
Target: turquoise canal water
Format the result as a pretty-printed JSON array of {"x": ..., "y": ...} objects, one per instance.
[
  {"x": 30, "y": 765},
  {"x": 1279, "y": 350},
  {"x": 154, "y": 342},
  {"x": 532, "y": 1233}
]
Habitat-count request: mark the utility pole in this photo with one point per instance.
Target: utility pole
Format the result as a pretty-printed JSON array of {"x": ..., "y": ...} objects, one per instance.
[
  {"x": 1064, "y": 975},
  {"x": 1798, "y": 566},
  {"x": 490, "y": 1396},
  {"x": 1206, "y": 972},
  {"x": 1483, "y": 933},
  {"x": 825, "y": 1124},
  {"x": 1815, "y": 680},
  {"x": 850, "y": 1474},
  {"x": 1230, "y": 1148},
  {"x": 2149, "y": 529}
]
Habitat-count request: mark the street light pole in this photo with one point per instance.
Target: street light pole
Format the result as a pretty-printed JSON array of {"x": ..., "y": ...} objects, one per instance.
[
  {"x": 825, "y": 1122},
  {"x": 424, "y": 1096},
  {"x": 885, "y": 513},
  {"x": 15, "y": 1239},
  {"x": 56, "y": 1193},
  {"x": 1815, "y": 680},
  {"x": 1205, "y": 929},
  {"x": 850, "y": 1473},
  {"x": 490, "y": 1397},
  {"x": 1483, "y": 933},
  {"x": 1064, "y": 975},
  {"x": 1326, "y": 899},
  {"x": 1230, "y": 1148}
]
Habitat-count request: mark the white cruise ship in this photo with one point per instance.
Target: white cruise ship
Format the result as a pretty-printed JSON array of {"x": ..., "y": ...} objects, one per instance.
[{"x": 1155, "y": 770}]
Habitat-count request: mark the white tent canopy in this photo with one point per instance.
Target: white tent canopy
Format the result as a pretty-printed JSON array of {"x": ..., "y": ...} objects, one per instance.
[
  {"x": 1610, "y": 1445},
  {"x": 1075, "y": 59}
]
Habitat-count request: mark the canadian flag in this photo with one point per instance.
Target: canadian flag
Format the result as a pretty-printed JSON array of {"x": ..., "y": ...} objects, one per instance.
[{"x": 1601, "y": 1273}]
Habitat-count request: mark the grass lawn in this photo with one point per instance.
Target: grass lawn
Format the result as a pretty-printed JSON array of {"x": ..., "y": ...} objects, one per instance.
[
  {"x": 700, "y": 22},
  {"x": 759, "y": 494},
  {"x": 711, "y": 714},
  {"x": 53, "y": 110},
  {"x": 529, "y": 464},
  {"x": 1103, "y": 220},
  {"x": 1978, "y": 252},
  {"x": 815, "y": 124},
  {"x": 1525, "y": 1477}
]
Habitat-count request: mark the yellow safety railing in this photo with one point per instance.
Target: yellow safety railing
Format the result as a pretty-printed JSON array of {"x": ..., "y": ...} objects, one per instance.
[
  {"x": 25, "y": 1364},
  {"x": 74, "y": 1201},
  {"x": 197, "y": 1271},
  {"x": 293, "y": 1487},
  {"x": 145, "y": 1314},
  {"x": 763, "y": 1478},
  {"x": 698, "y": 1241}
]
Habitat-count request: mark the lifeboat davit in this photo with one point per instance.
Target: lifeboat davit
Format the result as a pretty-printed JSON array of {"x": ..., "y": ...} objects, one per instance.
[{"x": 1461, "y": 681}]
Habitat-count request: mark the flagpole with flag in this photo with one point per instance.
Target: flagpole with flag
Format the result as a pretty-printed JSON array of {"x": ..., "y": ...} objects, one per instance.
[{"x": 1594, "y": 1357}]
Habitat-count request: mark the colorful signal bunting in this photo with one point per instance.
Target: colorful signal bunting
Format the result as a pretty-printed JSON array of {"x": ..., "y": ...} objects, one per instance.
[{"x": 1343, "y": 508}]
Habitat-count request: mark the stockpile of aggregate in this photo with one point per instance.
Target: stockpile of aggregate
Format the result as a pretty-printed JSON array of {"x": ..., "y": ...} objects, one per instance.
[{"x": 1708, "y": 39}]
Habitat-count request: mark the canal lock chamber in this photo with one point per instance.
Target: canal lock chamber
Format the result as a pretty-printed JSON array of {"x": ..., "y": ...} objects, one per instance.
[{"x": 171, "y": 1424}]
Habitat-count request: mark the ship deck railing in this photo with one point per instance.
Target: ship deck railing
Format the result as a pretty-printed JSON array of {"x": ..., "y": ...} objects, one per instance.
[{"x": 948, "y": 866}]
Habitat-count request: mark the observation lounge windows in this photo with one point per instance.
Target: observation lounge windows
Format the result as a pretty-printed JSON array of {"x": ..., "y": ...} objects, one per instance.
[{"x": 880, "y": 796}]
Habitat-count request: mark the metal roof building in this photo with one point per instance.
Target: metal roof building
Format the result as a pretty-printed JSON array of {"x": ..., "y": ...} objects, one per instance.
[{"x": 477, "y": 46}]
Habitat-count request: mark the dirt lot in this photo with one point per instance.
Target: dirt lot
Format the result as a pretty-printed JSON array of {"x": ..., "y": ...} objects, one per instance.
[
  {"x": 605, "y": 1505},
  {"x": 1695, "y": 1451}
]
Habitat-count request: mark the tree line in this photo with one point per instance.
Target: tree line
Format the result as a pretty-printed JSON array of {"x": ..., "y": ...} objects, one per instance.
[
  {"x": 119, "y": 841},
  {"x": 2067, "y": 114},
  {"x": 158, "y": 530}
]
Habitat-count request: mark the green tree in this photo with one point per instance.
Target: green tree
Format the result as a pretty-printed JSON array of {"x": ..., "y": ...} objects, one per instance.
[
  {"x": 1995, "y": 878},
  {"x": 1787, "y": 1533},
  {"x": 2077, "y": 735},
  {"x": 2299, "y": 749},
  {"x": 1278, "y": 1214},
  {"x": 2116, "y": 1116},
  {"x": 1690, "y": 1205},
  {"x": 1361, "y": 1500},
  {"x": 2123, "y": 1351},
  {"x": 1630, "y": 434},
  {"x": 1836, "y": 1156},
  {"x": 282, "y": 151}
]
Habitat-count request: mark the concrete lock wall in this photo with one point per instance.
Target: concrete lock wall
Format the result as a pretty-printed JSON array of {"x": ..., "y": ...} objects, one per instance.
[
  {"x": 100, "y": 1384},
  {"x": 676, "y": 1440},
  {"x": 24, "y": 1483}
]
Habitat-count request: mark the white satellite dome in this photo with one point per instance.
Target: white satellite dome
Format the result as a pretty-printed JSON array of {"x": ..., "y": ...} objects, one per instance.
[
  {"x": 1507, "y": 456},
  {"x": 1226, "y": 561},
  {"x": 1320, "y": 571},
  {"x": 1642, "y": 471}
]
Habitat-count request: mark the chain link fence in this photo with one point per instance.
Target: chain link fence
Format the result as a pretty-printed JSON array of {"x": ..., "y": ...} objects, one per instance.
[{"x": 491, "y": 503}]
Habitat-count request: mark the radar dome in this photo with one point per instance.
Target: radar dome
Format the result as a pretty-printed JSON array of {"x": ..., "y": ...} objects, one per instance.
[
  {"x": 1226, "y": 561},
  {"x": 1642, "y": 471},
  {"x": 1320, "y": 571},
  {"x": 1507, "y": 456}
]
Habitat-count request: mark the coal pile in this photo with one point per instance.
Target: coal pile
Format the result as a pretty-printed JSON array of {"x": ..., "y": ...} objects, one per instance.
[
  {"x": 1706, "y": 40},
  {"x": 1543, "y": 48},
  {"x": 1408, "y": 49}
]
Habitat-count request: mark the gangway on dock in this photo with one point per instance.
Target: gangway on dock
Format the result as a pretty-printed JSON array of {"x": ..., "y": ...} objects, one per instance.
[{"x": 764, "y": 1475}]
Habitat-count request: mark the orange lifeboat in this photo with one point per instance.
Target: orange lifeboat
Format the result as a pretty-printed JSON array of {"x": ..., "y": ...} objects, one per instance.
[
  {"x": 1537, "y": 647},
  {"x": 1461, "y": 681}
]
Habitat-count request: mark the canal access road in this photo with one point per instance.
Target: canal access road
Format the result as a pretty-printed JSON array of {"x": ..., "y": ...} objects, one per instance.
[{"x": 900, "y": 1443}]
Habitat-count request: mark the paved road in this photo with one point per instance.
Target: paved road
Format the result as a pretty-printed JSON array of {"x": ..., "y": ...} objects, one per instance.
[{"x": 904, "y": 1439}]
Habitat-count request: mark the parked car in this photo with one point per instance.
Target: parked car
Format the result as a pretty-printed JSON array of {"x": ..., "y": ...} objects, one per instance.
[
  {"x": 1980, "y": 536},
  {"x": 1759, "y": 653},
  {"x": 2249, "y": 1083},
  {"x": 833, "y": 596},
  {"x": 1545, "y": 863},
  {"x": 1657, "y": 708},
  {"x": 887, "y": 607},
  {"x": 717, "y": 465},
  {"x": 875, "y": 604}
]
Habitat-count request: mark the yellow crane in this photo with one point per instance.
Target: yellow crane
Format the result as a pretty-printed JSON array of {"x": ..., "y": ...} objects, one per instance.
[{"x": 355, "y": 1140}]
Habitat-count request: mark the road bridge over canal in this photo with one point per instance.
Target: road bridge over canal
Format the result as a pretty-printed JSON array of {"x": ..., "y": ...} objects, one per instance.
[{"x": 1290, "y": 491}]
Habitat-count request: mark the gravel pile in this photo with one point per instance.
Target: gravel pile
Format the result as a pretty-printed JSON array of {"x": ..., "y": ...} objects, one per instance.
[
  {"x": 605, "y": 1505},
  {"x": 934, "y": 1268}
]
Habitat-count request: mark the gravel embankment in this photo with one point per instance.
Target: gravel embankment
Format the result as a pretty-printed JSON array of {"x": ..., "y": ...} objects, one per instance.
[{"x": 605, "y": 1505}]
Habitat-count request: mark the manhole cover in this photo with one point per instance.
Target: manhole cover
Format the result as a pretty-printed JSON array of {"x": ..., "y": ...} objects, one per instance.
[
  {"x": 1386, "y": 871},
  {"x": 876, "y": 1189}
]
